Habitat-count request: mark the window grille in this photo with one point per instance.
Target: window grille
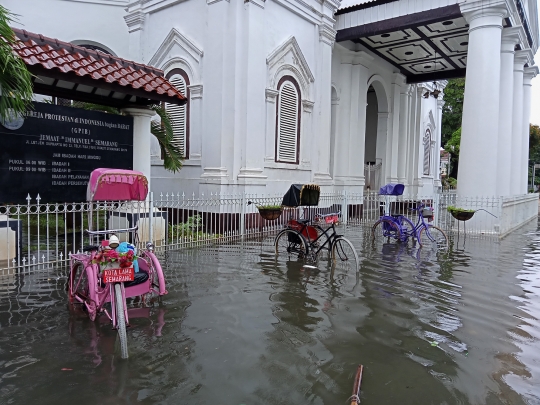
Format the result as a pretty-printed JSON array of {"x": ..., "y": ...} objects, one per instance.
[
  {"x": 288, "y": 122},
  {"x": 427, "y": 153},
  {"x": 180, "y": 115}
]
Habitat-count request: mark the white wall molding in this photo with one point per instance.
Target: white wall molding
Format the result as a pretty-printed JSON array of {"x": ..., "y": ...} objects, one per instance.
[
  {"x": 258, "y": 3},
  {"x": 176, "y": 38},
  {"x": 289, "y": 59},
  {"x": 135, "y": 20},
  {"x": 327, "y": 34},
  {"x": 196, "y": 91}
]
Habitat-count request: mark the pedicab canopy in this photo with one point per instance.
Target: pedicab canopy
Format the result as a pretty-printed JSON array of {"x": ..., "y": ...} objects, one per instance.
[
  {"x": 116, "y": 185},
  {"x": 392, "y": 189},
  {"x": 302, "y": 195}
]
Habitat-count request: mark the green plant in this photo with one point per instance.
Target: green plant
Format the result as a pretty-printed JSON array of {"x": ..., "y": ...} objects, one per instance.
[
  {"x": 15, "y": 79},
  {"x": 269, "y": 207},
  {"x": 191, "y": 230},
  {"x": 451, "y": 208}
]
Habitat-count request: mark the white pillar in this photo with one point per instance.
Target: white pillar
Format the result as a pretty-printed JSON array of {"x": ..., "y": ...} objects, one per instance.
[
  {"x": 438, "y": 140},
  {"x": 398, "y": 80},
  {"x": 195, "y": 124},
  {"x": 412, "y": 134},
  {"x": 510, "y": 37},
  {"x": 529, "y": 74},
  {"x": 357, "y": 143},
  {"x": 418, "y": 183},
  {"x": 341, "y": 165},
  {"x": 403, "y": 134},
  {"x": 478, "y": 150},
  {"x": 142, "y": 139},
  {"x": 520, "y": 59},
  {"x": 321, "y": 152}
]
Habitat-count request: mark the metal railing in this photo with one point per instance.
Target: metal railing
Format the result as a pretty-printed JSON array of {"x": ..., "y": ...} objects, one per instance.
[{"x": 37, "y": 235}]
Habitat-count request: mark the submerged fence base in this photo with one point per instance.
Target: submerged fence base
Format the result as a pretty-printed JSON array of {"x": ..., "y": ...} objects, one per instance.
[{"x": 37, "y": 234}]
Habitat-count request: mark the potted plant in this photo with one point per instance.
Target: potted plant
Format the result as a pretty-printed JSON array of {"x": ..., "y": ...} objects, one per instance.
[
  {"x": 270, "y": 212},
  {"x": 461, "y": 214}
]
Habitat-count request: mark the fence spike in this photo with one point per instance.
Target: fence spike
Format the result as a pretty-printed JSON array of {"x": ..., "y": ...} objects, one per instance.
[
  {"x": 61, "y": 256},
  {"x": 33, "y": 259},
  {"x": 28, "y": 198},
  {"x": 38, "y": 198}
]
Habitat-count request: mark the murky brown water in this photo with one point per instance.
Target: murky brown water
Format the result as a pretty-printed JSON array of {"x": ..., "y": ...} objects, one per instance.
[{"x": 240, "y": 327}]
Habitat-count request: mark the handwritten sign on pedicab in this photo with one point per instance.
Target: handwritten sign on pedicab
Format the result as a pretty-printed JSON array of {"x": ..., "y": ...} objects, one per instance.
[{"x": 119, "y": 275}]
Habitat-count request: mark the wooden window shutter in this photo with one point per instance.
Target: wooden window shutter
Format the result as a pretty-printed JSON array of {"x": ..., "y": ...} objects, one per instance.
[
  {"x": 288, "y": 128},
  {"x": 179, "y": 115}
]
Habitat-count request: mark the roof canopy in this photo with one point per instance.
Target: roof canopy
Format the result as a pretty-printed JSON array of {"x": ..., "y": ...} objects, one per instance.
[{"x": 69, "y": 71}]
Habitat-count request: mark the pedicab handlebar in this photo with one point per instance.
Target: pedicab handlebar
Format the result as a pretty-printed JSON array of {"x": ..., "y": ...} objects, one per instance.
[{"x": 109, "y": 231}]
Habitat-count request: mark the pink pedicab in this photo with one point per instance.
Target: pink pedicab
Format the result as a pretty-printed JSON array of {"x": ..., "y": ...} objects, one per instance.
[{"x": 109, "y": 271}]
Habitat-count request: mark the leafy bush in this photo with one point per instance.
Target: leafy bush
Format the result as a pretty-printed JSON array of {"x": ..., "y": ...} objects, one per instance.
[
  {"x": 451, "y": 208},
  {"x": 191, "y": 230}
]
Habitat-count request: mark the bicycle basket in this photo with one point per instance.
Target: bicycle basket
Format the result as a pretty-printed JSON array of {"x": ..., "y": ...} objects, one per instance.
[{"x": 427, "y": 213}]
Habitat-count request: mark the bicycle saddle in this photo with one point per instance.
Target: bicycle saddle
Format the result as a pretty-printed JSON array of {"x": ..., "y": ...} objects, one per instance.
[{"x": 304, "y": 221}]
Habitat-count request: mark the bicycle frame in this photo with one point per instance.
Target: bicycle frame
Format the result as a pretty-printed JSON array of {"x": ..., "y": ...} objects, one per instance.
[
  {"x": 415, "y": 232},
  {"x": 312, "y": 244}
]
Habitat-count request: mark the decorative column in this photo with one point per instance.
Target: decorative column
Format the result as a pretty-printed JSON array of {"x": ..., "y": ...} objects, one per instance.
[
  {"x": 357, "y": 140},
  {"x": 529, "y": 74},
  {"x": 195, "y": 142},
  {"x": 135, "y": 19},
  {"x": 251, "y": 128},
  {"x": 398, "y": 80},
  {"x": 438, "y": 140},
  {"x": 478, "y": 150},
  {"x": 321, "y": 153},
  {"x": 341, "y": 164},
  {"x": 417, "y": 141},
  {"x": 510, "y": 37},
  {"x": 142, "y": 139},
  {"x": 270, "y": 140},
  {"x": 403, "y": 134},
  {"x": 520, "y": 58},
  {"x": 218, "y": 142}
]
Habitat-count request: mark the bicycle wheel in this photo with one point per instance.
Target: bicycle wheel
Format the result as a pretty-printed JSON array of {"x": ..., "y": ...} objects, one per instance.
[
  {"x": 433, "y": 237},
  {"x": 343, "y": 251},
  {"x": 291, "y": 243},
  {"x": 384, "y": 229},
  {"x": 120, "y": 320},
  {"x": 79, "y": 287}
]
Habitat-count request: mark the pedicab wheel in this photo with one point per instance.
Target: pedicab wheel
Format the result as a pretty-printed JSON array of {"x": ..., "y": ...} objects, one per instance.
[
  {"x": 78, "y": 286},
  {"x": 344, "y": 253},
  {"x": 385, "y": 229},
  {"x": 290, "y": 243},
  {"x": 433, "y": 238},
  {"x": 121, "y": 320}
]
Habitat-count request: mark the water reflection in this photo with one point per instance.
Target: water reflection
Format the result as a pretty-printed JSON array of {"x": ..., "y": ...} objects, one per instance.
[{"x": 242, "y": 326}]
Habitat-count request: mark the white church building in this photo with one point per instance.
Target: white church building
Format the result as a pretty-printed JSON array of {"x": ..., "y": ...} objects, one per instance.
[{"x": 345, "y": 94}]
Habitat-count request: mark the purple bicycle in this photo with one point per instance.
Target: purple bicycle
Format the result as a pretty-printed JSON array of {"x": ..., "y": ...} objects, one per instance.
[{"x": 401, "y": 229}]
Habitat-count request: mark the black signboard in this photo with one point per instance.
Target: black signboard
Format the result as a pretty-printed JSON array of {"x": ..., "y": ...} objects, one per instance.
[{"x": 51, "y": 151}]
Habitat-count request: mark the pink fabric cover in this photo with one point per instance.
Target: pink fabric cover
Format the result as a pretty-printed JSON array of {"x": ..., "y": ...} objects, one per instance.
[{"x": 116, "y": 185}]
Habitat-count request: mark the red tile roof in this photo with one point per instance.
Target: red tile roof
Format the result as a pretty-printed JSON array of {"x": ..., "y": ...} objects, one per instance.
[{"x": 47, "y": 54}]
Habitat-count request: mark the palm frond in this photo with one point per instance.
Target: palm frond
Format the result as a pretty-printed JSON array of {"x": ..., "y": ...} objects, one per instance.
[
  {"x": 163, "y": 131},
  {"x": 15, "y": 79}
]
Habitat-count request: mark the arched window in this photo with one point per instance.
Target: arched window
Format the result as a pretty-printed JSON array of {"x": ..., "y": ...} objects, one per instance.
[
  {"x": 288, "y": 121},
  {"x": 427, "y": 152},
  {"x": 180, "y": 113}
]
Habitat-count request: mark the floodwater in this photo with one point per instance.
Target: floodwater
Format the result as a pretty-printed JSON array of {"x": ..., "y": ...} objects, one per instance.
[{"x": 242, "y": 327}]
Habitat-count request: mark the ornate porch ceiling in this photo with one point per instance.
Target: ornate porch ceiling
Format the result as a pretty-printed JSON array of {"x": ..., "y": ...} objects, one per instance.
[{"x": 425, "y": 46}]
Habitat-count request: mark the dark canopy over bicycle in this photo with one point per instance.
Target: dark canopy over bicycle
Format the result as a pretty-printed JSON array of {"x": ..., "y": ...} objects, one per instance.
[{"x": 306, "y": 195}]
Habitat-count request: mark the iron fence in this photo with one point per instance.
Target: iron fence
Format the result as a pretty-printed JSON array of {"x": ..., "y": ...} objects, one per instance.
[{"x": 37, "y": 235}]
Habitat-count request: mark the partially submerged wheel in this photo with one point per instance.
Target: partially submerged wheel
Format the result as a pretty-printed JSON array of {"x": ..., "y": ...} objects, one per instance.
[
  {"x": 434, "y": 238},
  {"x": 344, "y": 254},
  {"x": 120, "y": 320},
  {"x": 79, "y": 287},
  {"x": 291, "y": 244},
  {"x": 384, "y": 230}
]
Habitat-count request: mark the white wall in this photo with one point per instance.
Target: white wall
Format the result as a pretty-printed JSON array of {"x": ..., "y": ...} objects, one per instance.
[{"x": 74, "y": 21}]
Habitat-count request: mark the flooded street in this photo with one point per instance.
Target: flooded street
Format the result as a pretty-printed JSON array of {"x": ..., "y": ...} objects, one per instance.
[{"x": 242, "y": 327}]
